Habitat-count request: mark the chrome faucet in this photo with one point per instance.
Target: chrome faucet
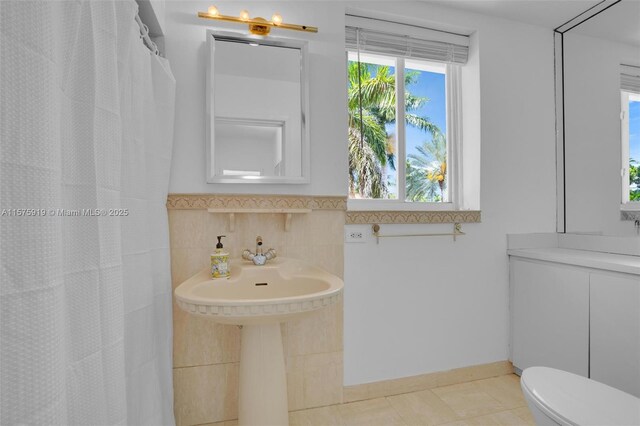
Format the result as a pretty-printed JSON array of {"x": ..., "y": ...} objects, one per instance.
[{"x": 259, "y": 258}]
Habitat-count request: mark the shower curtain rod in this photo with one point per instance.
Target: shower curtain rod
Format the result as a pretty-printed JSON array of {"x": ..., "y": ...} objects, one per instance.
[{"x": 144, "y": 33}]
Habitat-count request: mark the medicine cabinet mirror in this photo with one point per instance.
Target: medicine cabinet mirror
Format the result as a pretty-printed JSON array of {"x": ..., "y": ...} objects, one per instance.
[{"x": 257, "y": 109}]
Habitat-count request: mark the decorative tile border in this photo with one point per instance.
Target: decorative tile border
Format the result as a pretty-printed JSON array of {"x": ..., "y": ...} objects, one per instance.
[
  {"x": 629, "y": 215},
  {"x": 458, "y": 216},
  {"x": 279, "y": 202},
  {"x": 253, "y": 201}
]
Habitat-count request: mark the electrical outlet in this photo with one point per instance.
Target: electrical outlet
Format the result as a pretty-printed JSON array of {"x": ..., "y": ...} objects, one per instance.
[{"x": 351, "y": 236}]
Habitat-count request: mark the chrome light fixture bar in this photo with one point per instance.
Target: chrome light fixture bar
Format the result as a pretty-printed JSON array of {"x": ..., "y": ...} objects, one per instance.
[{"x": 257, "y": 26}]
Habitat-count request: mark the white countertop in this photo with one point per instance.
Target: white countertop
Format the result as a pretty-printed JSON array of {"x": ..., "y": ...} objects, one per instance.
[{"x": 589, "y": 259}]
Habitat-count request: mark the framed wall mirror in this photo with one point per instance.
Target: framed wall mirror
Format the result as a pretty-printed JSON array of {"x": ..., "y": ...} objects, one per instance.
[
  {"x": 597, "y": 63},
  {"x": 257, "y": 109}
]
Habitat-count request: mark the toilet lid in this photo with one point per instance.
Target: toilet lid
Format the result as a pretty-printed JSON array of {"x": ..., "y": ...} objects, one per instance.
[{"x": 579, "y": 401}]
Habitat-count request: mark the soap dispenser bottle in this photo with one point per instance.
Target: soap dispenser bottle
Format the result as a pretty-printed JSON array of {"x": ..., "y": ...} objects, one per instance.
[{"x": 220, "y": 261}]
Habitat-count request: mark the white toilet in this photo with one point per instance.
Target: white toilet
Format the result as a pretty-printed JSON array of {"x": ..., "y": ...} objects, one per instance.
[{"x": 556, "y": 397}]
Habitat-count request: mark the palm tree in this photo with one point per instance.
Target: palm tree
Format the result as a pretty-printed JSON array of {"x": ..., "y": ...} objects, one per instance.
[
  {"x": 372, "y": 105},
  {"x": 427, "y": 170}
]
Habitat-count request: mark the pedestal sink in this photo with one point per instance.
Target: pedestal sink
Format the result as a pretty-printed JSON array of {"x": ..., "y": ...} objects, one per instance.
[{"x": 259, "y": 298}]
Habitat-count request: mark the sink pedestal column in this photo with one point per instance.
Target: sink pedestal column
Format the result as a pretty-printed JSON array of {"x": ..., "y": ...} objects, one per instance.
[{"x": 262, "y": 393}]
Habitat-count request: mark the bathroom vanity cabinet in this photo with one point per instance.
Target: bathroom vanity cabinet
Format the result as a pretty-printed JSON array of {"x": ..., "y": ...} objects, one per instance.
[
  {"x": 550, "y": 316},
  {"x": 577, "y": 311},
  {"x": 614, "y": 321}
]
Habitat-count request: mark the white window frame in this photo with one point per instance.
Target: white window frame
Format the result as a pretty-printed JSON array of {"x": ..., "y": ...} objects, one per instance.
[
  {"x": 454, "y": 143},
  {"x": 625, "y": 97}
]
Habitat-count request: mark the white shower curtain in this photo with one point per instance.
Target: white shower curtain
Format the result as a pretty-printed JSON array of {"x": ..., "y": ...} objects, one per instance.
[{"x": 86, "y": 122}]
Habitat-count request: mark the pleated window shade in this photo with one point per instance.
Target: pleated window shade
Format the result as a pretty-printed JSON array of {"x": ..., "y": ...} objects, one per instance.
[
  {"x": 385, "y": 43},
  {"x": 630, "y": 78}
]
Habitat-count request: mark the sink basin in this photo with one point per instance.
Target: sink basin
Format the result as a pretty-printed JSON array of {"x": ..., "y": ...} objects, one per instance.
[
  {"x": 259, "y": 298},
  {"x": 278, "y": 291}
]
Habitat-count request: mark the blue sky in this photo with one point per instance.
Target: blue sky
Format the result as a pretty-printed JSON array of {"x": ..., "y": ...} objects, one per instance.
[
  {"x": 430, "y": 85},
  {"x": 634, "y": 130}
]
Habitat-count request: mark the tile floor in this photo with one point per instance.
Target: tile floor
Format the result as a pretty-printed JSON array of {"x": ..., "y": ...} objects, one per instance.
[{"x": 494, "y": 401}]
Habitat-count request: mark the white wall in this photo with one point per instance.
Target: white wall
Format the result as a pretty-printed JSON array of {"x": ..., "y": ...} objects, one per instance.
[
  {"x": 186, "y": 49},
  {"x": 592, "y": 133},
  {"x": 152, "y": 14},
  {"x": 418, "y": 305},
  {"x": 412, "y": 305},
  {"x": 158, "y": 8}
]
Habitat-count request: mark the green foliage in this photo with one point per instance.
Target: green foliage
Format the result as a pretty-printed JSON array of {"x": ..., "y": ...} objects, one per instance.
[
  {"x": 634, "y": 178},
  {"x": 372, "y": 105}
]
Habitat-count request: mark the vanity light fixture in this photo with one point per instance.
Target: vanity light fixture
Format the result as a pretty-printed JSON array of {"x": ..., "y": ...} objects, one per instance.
[{"x": 257, "y": 26}]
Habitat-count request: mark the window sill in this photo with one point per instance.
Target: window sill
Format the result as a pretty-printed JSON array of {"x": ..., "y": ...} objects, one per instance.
[{"x": 632, "y": 206}]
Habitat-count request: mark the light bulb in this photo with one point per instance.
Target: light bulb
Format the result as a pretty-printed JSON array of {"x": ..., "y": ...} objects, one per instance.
[
  {"x": 244, "y": 14},
  {"x": 213, "y": 11},
  {"x": 276, "y": 18}
]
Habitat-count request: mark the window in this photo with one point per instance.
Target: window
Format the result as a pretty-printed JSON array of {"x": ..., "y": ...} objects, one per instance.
[
  {"x": 630, "y": 131},
  {"x": 403, "y": 113}
]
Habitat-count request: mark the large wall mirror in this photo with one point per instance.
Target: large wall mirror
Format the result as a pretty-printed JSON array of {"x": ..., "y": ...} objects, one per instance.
[
  {"x": 257, "y": 129},
  {"x": 601, "y": 132}
]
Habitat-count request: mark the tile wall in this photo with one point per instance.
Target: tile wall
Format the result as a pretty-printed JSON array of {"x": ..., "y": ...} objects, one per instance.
[{"x": 206, "y": 354}]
